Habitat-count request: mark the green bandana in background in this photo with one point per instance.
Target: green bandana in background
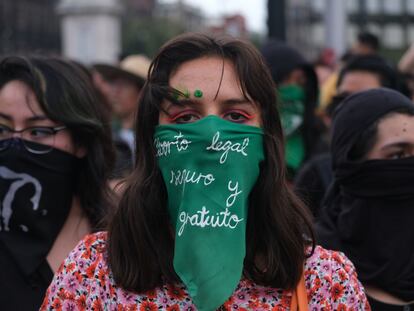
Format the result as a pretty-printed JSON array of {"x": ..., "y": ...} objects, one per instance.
[
  {"x": 291, "y": 107},
  {"x": 209, "y": 168}
]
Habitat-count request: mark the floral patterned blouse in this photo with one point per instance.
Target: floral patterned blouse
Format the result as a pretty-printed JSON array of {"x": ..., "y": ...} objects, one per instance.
[{"x": 84, "y": 282}]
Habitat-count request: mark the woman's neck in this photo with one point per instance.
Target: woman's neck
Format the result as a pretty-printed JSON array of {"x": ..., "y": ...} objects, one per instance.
[{"x": 74, "y": 229}]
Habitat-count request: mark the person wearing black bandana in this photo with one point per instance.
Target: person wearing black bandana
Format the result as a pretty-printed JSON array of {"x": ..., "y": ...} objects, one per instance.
[
  {"x": 368, "y": 210},
  {"x": 55, "y": 155}
]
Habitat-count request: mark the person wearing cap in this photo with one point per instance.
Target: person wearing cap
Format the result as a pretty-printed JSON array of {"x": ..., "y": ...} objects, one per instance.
[{"x": 126, "y": 82}]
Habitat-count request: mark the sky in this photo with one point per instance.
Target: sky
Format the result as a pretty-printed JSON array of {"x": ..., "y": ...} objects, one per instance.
[{"x": 253, "y": 10}]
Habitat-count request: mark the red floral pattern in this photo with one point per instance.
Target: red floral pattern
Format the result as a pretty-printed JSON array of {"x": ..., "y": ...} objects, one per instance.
[{"x": 84, "y": 282}]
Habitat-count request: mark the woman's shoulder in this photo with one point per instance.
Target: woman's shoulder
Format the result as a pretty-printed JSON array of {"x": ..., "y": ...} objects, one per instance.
[
  {"x": 331, "y": 280},
  {"x": 84, "y": 267},
  {"x": 86, "y": 282},
  {"x": 87, "y": 254}
]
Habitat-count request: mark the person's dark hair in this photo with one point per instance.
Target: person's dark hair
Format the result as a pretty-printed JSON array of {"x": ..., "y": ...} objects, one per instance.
[
  {"x": 370, "y": 40},
  {"x": 335, "y": 102},
  {"x": 279, "y": 229},
  {"x": 346, "y": 57},
  {"x": 374, "y": 64},
  {"x": 367, "y": 139},
  {"x": 66, "y": 95}
]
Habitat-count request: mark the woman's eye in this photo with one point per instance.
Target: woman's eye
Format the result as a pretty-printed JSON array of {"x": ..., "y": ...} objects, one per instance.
[
  {"x": 4, "y": 130},
  {"x": 237, "y": 117},
  {"x": 40, "y": 132},
  {"x": 398, "y": 155},
  {"x": 185, "y": 118}
]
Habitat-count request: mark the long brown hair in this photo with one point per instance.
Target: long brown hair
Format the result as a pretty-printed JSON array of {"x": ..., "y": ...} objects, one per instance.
[{"x": 141, "y": 246}]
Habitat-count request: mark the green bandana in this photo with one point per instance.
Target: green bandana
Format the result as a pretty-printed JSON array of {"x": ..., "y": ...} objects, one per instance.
[
  {"x": 209, "y": 168},
  {"x": 291, "y": 111}
]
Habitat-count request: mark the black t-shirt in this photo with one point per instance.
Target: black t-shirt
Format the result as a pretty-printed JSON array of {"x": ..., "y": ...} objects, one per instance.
[
  {"x": 19, "y": 291},
  {"x": 381, "y": 306},
  {"x": 313, "y": 180}
]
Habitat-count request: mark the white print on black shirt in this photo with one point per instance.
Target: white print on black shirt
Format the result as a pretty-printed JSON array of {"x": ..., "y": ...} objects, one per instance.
[{"x": 18, "y": 181}]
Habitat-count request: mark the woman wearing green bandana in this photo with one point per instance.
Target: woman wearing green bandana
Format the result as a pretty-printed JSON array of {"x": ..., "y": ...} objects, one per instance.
[
  {"x": 297, "y": 90},
  {"x": 207, "y": 220}
]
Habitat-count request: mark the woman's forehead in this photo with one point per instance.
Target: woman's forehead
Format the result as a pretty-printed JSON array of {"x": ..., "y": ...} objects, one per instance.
[
  {"x": 17, "y": 98},
  {"x": 211, "y": 75}
]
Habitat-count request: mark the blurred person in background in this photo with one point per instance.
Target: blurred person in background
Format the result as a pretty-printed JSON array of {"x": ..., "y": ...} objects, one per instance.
[
  {"x": 297, "y": 88},
  {"x": 362, "y": 72},
  {"x": 369, "y": 208},
  {"x": 55, "y": 158},
  {"x": 121, "y": 87},
  {"x": 366, "y": 44},
  {"x": 324, "y": 65},
  {"x": 328, "y": 87},
  {"x": 406, "y": 67}
]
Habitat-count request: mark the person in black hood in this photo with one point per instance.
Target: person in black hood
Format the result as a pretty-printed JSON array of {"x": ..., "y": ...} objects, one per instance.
[
  {"x": 368, "y": 210},
  {"x": 297, "y": 86}
]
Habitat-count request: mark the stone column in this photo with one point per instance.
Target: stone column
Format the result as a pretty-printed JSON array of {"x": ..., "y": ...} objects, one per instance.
[
  {"x": 335, "y": 25},
  {"x": 91, "y": 30}
]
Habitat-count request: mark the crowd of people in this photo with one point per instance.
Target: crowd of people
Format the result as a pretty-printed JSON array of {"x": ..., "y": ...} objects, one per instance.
[{"x": 215, "y": 176}]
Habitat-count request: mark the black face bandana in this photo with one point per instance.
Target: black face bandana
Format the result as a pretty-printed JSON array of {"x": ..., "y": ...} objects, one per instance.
[
  {"x": 369, "y": 209},
  {"x": 36, "y": 192}
]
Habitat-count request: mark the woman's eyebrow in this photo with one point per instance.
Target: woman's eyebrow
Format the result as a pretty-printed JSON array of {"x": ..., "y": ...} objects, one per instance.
[
  {"x": 240, "y": 101},
  {"x": 234, "y": 101},
  {"x": 37, "y": 118},
  {"x": 401, "y": 144},
  {"x": 5, "y": 116},
  {"x": 181, "y": 103},
  {"x": 31, "y": 119}
]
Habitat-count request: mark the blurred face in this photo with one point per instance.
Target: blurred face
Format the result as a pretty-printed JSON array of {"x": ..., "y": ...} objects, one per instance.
[
  {"x": 296, "y": 77},
  {"x": 225, "y": 101},
  {"x": 101, "y": 84},
  {"x": 323, "y": 73},
  {"x": 362, "y": 49},
  {"x": 356, "y": 81},
  {"x": 395, "y": 138},
  {"x": 19, "y": 110},
  {"x": 125, "y": 94}
]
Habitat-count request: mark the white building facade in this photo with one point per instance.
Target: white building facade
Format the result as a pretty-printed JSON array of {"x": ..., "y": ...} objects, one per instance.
[{"x": 91, "y": 30}]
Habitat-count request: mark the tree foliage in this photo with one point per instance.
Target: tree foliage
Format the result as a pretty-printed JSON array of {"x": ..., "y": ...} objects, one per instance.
[{"x": 145, "y": 35}]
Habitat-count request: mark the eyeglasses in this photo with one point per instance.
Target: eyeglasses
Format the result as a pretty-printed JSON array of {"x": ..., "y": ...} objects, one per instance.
[{"x": 42, "y": 136}]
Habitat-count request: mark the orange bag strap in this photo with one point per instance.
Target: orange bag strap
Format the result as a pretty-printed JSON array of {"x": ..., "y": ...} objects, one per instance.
[{"x": 299, "y": 300}]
